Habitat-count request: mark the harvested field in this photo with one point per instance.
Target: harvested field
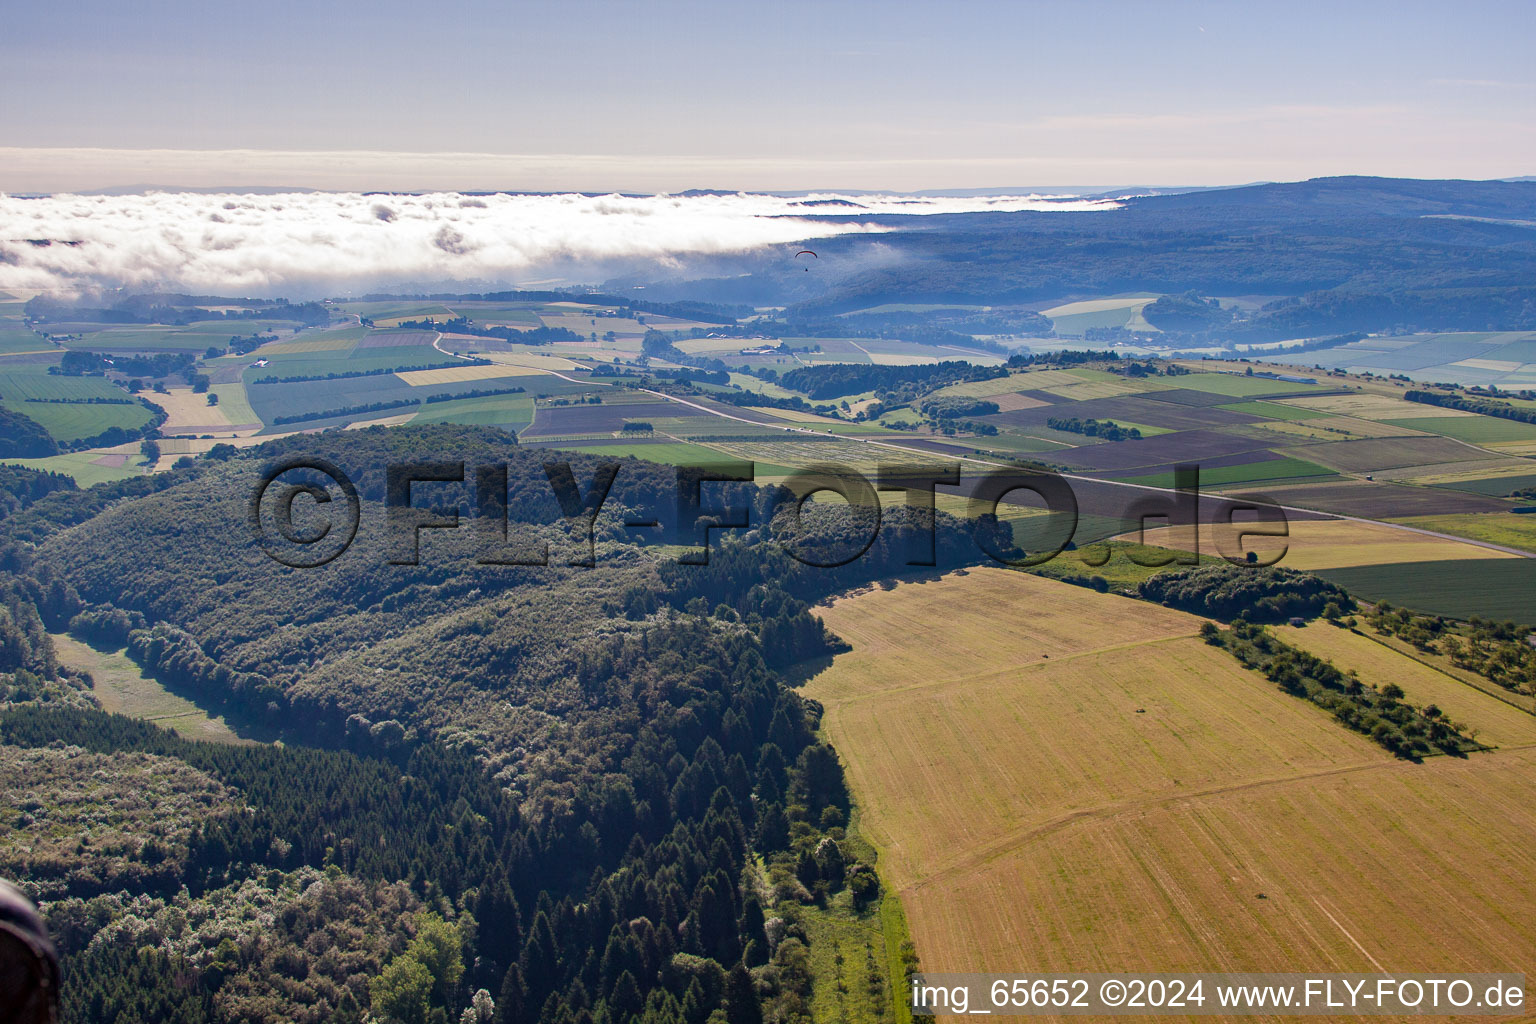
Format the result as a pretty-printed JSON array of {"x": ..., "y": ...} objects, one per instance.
[
  {"x": 1254, "y": 472},
  {"x": 1121, "y": 804},
  {"x": 1183, "y": 446},
  {"x": 188, "y": 412},
  {"x": 1381, "y": 500},
  {"x": 528, "y": 358},
  {"x": 1496, "y": 722},
  {"x": 1189, "y": 397},
  {"x": 1464, "y": 471},
  {"x": 1376, "y": 454},
  {"x": 456, "y": 374},
  {"x": 1495, "y": 486},
  {"x": 1240, "y": 386},
  {"x": 1371, "y": 406},
  {"x": 1014, "y": 401},
  {"x": 1334, "y": 543},
  {"x": 397, "y": 339},
  {"x": 1127, "y": 410}
]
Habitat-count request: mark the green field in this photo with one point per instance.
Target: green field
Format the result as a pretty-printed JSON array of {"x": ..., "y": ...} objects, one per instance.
[
  {"x": 235, "y": 403},
  {"x": 194, "y": 337},
  {"x": 511, "y": 411},
  {"x": 19, "y": 339},
  {"x": 1499, "y": 588},
  {"x": 68, "y": 421},
  {"x": 1508, "y": 529},
  {"x": 1474, "y": 429},
  {"x": 1495, "y": 486},
  {"x": 82, "y": 468},
  {"x": 1251, "y": 472}
]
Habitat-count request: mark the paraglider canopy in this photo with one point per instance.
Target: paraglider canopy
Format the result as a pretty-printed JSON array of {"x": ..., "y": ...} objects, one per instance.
[{"x": 807, "y": 252}]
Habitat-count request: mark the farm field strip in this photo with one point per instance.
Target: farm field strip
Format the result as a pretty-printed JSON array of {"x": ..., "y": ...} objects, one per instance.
[
  {"x": 1495, "y": 720},
  {"x": 1336, "y": 543}
]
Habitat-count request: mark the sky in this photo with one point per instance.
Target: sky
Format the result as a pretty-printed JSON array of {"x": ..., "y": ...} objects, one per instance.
[{"x": 831, "y": 94}]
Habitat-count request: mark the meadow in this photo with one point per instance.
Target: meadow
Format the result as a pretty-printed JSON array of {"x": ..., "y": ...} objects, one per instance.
[
  {"x": 121, "y": 687},
  {"x": 1062, "y": 780},
  {"x": 61, "y": 404}
]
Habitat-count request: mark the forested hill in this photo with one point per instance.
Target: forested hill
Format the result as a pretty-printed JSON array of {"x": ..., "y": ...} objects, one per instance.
[
  {"x": 588, "y": 791},
  {"x": 1351, "y": 196},
  {"x": 1346, "y": 253}
]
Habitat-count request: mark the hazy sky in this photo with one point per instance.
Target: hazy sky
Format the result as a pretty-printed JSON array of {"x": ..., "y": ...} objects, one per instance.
[{"x": 825, "y": 94}]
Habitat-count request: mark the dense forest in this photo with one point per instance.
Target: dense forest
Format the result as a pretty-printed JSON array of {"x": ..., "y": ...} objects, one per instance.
[{"x": 507, "y": 792}]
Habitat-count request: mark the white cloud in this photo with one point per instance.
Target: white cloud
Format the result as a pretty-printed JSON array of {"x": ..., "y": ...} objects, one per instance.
[{"x": 307, "y": 243}]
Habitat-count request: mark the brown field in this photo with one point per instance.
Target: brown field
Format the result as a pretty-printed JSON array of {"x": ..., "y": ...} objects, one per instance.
[
  {"x": 1376, "y": 454},
  {"x": 1066, "y": 781},
  {"x": 1012, "y": 402},
  {"x": 1334, "y": 544}
]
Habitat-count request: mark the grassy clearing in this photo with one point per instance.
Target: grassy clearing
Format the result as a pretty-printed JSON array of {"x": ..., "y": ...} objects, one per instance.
[
  {"x": 84, "y": 467},
  {"x": 122, "y": 688},
  {"x": 856, "y": 955},
  {"x": 1123, "y": 804}
]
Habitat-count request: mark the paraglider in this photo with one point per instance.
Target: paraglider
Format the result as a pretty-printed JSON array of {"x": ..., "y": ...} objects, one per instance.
[{"x": 807, "y": 252}]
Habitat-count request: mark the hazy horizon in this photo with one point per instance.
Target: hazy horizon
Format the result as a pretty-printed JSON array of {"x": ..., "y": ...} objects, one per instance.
[{"x": 679, "y": 95}]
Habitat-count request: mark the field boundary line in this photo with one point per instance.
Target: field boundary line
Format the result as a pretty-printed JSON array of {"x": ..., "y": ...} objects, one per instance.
[
  {"x": 994, "y": 677},
  {"x": 1436, "y": 668},
  {"x": 1019, "y": 837}
]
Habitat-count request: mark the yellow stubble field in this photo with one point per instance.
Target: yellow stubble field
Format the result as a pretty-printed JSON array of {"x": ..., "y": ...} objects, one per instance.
[{"x": 1070, "y": 781}]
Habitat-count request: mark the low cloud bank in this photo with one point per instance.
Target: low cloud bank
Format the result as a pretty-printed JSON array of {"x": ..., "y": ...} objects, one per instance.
[{"x": 307, "y": 244}]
